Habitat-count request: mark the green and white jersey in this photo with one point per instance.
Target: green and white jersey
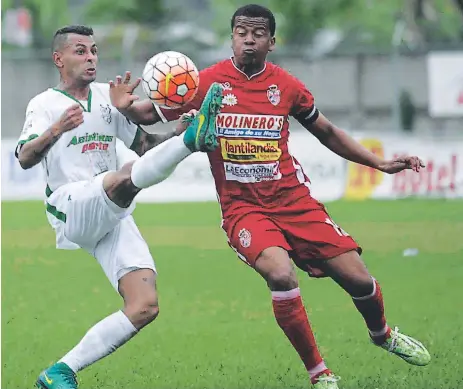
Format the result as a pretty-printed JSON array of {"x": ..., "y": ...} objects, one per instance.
[{"x": 85, "y": 151}]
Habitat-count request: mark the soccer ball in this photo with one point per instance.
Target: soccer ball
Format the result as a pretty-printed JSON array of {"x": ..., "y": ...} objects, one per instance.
[{"x": 170, "y": 79}]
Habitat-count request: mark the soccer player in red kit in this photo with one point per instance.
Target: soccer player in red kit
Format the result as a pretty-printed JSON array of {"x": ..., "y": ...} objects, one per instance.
[{"x": 269, "y": 215}]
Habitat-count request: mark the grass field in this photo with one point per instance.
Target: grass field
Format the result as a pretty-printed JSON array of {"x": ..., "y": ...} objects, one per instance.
[{"x": 216, "y": 328}]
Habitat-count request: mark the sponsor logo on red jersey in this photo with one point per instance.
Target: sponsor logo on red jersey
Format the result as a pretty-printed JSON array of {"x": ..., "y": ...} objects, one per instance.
[
  {"x": 252, "y": 173},
  {"x": 250, "y": 150},
  {"x": 249, "y": 126}
]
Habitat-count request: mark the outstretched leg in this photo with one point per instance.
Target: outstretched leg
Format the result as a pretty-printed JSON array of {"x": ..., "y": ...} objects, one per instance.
[
  {"x": 349, "y": 271},
  {"x": 159, "y": 162}
]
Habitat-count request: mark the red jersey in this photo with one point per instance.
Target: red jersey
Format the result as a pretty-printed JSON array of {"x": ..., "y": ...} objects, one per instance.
[{"x": 252, "y": 165}]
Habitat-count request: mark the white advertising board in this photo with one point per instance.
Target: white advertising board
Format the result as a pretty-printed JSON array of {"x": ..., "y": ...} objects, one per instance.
[{"x": 445, "y": 84}]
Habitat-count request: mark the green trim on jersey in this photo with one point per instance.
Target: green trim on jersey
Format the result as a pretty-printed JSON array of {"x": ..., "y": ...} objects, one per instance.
[
  {"x": 58, "y": 214},
  {"x": 89, "y": 98},
  {"x": 48, "y": 191},
  {"x": 22, "y": 142},
  {"x": 31, "y": 137},
  {"x": 136, "y": 140}
]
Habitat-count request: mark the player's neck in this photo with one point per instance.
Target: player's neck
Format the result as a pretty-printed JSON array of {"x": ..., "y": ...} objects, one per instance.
[
  {"x": 249, "y": 69},
  {"x": 80, "y": 92}
]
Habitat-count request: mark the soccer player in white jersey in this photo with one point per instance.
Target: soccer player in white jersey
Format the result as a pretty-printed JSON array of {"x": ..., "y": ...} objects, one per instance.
[{"x": 71, "y": 130}]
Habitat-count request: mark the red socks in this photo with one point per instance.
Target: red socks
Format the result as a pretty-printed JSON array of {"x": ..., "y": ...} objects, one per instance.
[
  {"x": 372, "y": 309},
  {"x": 291, "y": 316}
]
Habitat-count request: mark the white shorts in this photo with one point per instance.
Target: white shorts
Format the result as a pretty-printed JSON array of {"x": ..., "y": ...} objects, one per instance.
[{"x": 84, "y": 217}]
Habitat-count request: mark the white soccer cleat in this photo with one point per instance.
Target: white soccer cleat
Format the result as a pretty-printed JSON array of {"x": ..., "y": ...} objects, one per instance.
[{"x": 407, "y": 348}]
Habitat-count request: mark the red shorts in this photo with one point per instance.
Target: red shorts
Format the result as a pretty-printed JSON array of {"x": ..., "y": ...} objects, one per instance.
[{"x": 309, "y": 236}]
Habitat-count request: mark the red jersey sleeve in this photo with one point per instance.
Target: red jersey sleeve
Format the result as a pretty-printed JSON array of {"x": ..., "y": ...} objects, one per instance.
[
  {"x": 303, "y": 109},
  {"x": 168, "y": 115}
]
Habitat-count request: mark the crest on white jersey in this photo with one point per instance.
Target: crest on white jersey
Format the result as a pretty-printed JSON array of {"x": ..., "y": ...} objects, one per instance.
[
  {"x": 245, "y": 237},
  {"x": 230, "y": 99},
  {"x": 273, "y": 94},
  {"x": 106, "y": 113}
]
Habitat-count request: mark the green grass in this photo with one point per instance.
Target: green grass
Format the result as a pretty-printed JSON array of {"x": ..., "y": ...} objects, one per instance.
[{"x": 216, "y": 328}]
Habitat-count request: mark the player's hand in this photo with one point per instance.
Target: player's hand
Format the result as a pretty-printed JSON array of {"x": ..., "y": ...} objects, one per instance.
[
  {"x": 121, "y": 92},
  {"x": 398, "y": 164},
  {"x": 185, "y": 121},
  {"x": 70, "y": 119}
]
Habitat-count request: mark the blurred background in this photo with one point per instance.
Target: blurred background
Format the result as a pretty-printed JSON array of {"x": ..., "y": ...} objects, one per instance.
[{"x": 372, "y": 66}]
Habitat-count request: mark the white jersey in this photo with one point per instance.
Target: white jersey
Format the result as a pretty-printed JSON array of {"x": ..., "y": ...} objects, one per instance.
[{"x": 85, "y": 151}]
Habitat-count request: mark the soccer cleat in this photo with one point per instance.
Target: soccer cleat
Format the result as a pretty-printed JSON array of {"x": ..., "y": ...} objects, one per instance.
[
  {"x": 201, "y": 133},
  {"x": 58, "y": 376},
  {"x": 327, "y": 381},
  {"x": 407, "y": 348}
]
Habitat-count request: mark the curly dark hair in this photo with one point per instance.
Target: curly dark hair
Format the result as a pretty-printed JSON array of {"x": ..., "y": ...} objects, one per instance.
[{"x": 255, "y": 11}]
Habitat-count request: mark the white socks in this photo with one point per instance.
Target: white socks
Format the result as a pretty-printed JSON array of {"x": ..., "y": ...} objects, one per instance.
[
  {"x": 100, "y": 340},
  {"x": 158, "y": 163}
]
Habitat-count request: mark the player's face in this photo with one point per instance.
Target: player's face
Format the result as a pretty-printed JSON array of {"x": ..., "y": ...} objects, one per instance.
[
  {"x": 251, "y": 40},
  {"x": 78, "y": 58}
]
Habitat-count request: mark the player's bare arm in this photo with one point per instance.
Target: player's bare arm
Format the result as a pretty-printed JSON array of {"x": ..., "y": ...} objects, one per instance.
[
  {"x": 146, "y": 141},
  {"x": 345, "y": 146},
  {"x": 32, "y": 152},
  {"x": 123, "y": 98}
]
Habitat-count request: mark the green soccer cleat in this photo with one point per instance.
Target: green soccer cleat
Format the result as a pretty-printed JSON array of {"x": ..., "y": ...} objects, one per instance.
[
  {"x": 58, "y": 376},
  {"x": 407, "y": 348},
  {"x": 201, "y": 133},
  {"x": 327, "y": 381}
]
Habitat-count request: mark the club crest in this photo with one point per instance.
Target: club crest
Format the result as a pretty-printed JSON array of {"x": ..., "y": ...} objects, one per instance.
[
  {"x": 273, "y": 94},
  {"x": 106, "y": 113},
  {"x": 245, "y": 237}
]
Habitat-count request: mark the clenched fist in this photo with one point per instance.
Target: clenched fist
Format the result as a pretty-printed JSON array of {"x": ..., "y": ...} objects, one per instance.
[{"x": 70, "y": 119}]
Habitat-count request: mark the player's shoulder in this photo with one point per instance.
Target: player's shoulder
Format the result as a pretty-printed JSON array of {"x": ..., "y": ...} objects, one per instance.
[{"x": 43, "y": 98}]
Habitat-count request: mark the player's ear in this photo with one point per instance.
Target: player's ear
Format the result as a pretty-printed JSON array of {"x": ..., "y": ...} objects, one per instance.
[
  {"x": 272, "y": 43},
  {"x": 57, "y": 59}
]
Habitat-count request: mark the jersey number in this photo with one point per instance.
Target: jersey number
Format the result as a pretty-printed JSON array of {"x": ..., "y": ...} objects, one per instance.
[{"x": 338, "y": 229}]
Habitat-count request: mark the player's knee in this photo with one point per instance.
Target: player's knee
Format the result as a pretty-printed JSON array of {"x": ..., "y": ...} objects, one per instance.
[
  {"x": 277, "y": 269},
  {"x": 360, "y": 284},
  {"x": 149, "y": 312},
  {"x": 281, "y": 279},
  {"x": 119, "y": 186},
  {"x": 143, "y": 312},
  {"x": 120, "y": 179}
]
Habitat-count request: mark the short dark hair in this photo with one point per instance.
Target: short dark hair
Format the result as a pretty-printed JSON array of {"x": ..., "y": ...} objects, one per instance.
[
  {"x": 61, "y": 35},
  {"x": 255, "y": 11}
]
